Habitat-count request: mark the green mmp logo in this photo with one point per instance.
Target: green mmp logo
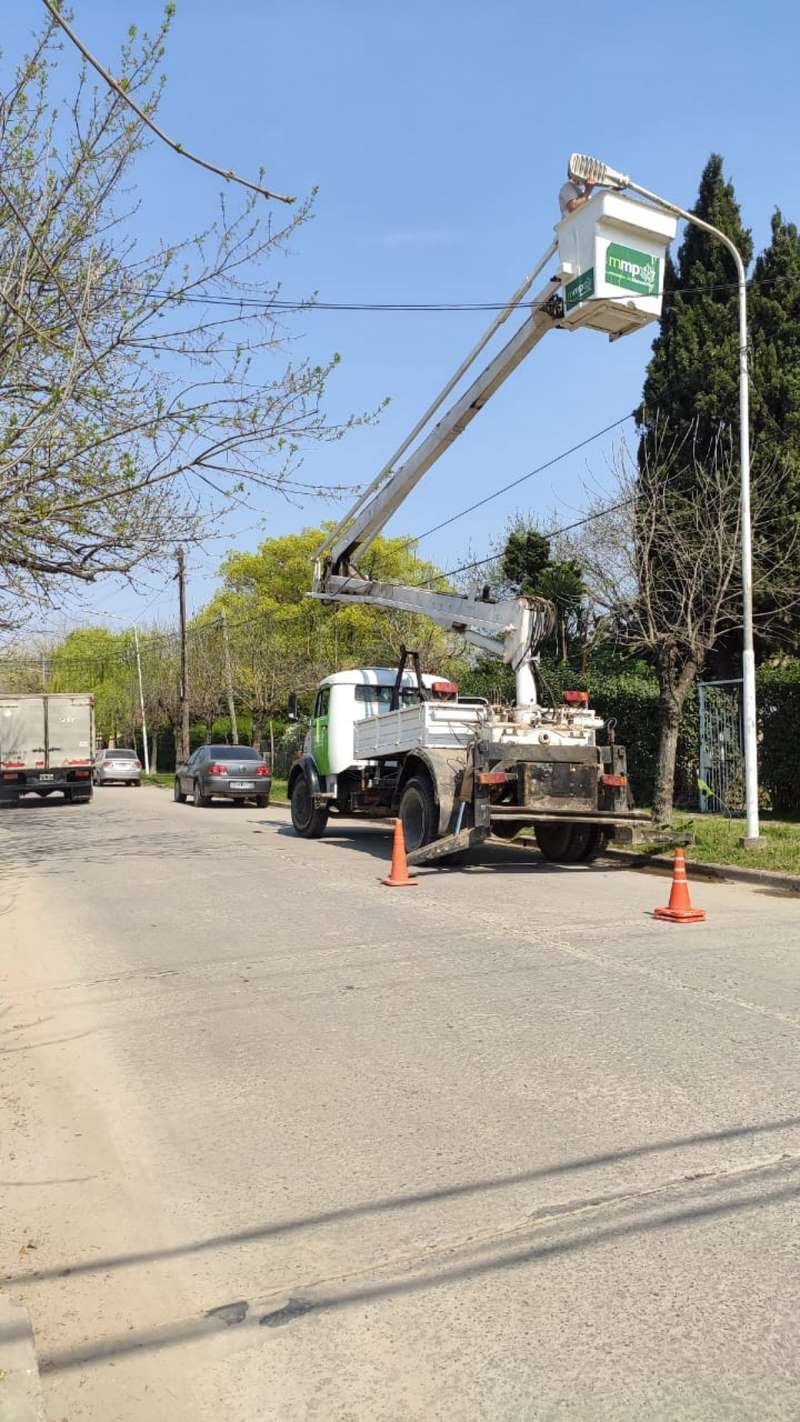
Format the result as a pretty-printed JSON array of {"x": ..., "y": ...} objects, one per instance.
[
  {"x": 635, "y": 271},
  {"x": 579, "y": 289}
]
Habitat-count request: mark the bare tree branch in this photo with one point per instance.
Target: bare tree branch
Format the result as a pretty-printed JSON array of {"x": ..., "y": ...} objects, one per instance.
[{"x": 226, "y": 173}]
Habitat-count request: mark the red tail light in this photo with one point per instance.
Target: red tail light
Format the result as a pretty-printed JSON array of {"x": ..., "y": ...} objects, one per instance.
[
  {"x": 262, "y": 770},
  {"x": 82, "y": 774},
  {"x": 107, "y": 764},
  {"x": 137, "y": 765},
  {"x": 216, "y": 769}
]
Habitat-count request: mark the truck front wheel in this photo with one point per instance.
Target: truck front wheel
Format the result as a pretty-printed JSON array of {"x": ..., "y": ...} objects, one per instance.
[
  {"x": 308, "y": 820},
  {"x": 418, "y": 813}
]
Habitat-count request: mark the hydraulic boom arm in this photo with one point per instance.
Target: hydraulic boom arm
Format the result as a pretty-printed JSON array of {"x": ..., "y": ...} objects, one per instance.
[{"x": 512, "y": 629}]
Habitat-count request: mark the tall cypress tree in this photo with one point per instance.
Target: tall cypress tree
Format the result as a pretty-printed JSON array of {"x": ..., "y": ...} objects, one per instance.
[
  {"x": 775, "y": 343},
  {"x": 693, "y": 371},
  {"x": 775, "y": 424}
]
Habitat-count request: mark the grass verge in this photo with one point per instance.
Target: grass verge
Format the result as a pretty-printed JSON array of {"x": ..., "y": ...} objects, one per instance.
[{"x": 716, "y": 841}]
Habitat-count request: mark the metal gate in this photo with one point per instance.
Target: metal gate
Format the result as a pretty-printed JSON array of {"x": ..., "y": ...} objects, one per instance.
[{"x": 721, "y": 747}]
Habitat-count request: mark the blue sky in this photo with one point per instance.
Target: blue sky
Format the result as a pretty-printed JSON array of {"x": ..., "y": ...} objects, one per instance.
[{"x": 438, "y": 136}]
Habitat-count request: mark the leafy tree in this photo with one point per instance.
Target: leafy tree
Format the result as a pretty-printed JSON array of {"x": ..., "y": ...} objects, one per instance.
[
  {"x": 662, "y": 565},
  {"x": 526, "y": 566},
  {"x": 282, "y": 640},
  {"x": 101, "y": 661},
  {"x": 131, "y": 403}
]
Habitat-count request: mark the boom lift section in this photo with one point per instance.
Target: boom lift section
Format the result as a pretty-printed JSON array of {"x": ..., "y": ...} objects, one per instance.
[
  {"x": 512, "y": 629},
  {"x": 591, "y": 260}
]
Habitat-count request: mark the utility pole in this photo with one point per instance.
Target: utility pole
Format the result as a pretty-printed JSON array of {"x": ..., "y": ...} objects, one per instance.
[
  {"x": 141, "y": 701},
  {"x": 229, "y": 678},
  {"x": 181, "y": 575}
]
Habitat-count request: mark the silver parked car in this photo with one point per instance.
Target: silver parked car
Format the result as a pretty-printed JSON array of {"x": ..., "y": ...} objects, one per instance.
[
  {"x": 116, "y": 765},
  {"x": 227, "y": 772}
]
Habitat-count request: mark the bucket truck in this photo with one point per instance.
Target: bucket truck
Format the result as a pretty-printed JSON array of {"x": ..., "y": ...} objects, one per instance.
[{"x": 402, "y": 743}]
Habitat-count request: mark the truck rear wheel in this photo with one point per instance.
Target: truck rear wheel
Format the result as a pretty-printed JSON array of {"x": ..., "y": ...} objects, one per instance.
[
  {"x": 308, "y": 820},
  {"x": 418, "y": 813},
  {"x": 595, "y": 844},
  {"x": 569, "y": 844}
]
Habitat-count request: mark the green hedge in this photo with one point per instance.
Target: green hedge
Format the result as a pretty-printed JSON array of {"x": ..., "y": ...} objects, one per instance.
[
  {"x": 778, "y": 695},
  {"x": 629, "y": 695}
]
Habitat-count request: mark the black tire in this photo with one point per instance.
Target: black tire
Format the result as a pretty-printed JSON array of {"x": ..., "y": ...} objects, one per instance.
[
  {"x": 262, "y": 802},
  {"x": 200, "y": 800},
  {"x": 595, "y": 844},
  {"x": 418, "y": 812},
  {"x": 76, "y": 797},
  {"x": 554, "y": 841},
  {"x": 570, "y": 844},
  {"x": 177, "y": 794},
  {"x": 308, "y": 819}
]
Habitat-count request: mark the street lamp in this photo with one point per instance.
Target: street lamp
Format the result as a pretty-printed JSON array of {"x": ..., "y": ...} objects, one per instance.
[{"x": 592, "y": 170}]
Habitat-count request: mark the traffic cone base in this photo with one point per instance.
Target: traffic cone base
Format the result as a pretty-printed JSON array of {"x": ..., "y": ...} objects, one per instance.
[
  {"x": 399, "y": 877},
  {"x": 679, "y": 909},
  {"x": 680, "y": 916}
]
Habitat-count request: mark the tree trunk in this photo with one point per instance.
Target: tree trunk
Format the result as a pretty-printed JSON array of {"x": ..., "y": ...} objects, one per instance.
[
  {"x": 674, "y": 690},
  {"x": 257, "y": 728},
  {"x": 154, "y": 752}
]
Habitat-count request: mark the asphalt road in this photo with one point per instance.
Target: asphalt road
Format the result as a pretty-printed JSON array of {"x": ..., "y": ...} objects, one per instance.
[{"x": 279, "y": 1143}]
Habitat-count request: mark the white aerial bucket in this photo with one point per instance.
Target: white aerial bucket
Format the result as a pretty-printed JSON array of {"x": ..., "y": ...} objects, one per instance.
[{"x": 612, "y": 252}]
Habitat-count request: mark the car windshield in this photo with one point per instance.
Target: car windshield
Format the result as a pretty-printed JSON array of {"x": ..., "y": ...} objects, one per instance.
[
  {"x": 234, "y": 753},
  {"x": 374, "y": 700},
  {"x": 121, "y": 754}
]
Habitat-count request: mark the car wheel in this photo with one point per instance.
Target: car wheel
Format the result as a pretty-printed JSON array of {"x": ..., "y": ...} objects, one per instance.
[
  {"x": 262, "y": 802},
  {"x": 308, "y": 819},
  {"x": 200, "y": 800},
  {"x": 177, "y": 793}
]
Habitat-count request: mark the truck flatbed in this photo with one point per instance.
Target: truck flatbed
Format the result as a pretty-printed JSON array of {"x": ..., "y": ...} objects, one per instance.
[{"x": 437, "y": 724}]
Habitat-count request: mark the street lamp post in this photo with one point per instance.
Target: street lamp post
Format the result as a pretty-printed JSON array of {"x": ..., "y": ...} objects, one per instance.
[
  {"x": 592, "y": 170},
  {"x": 141, "y": 701}
]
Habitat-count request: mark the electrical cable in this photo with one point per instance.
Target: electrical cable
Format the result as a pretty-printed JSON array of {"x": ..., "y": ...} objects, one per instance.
[{"x": 279, "y": 304}]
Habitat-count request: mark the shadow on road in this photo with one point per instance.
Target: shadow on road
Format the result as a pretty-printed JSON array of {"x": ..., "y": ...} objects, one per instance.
[
  {"x": 493, "y": 857},
  {"x": 573, "y": 1227},
  {"x": 390, "y": 1204}
]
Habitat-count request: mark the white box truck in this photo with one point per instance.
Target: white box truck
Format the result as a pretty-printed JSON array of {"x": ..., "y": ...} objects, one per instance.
[{"x": 46, "y": 744}]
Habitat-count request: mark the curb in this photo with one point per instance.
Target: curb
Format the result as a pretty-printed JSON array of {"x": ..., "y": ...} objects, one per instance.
[
  {"x": 20, "y": 1389},
  {"x": 767, "y": 878}
]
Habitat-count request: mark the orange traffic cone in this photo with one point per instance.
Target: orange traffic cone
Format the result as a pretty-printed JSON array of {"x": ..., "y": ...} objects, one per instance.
[
  {"x": 679, "y": 909},
  {"x": 398, "y": 874}
]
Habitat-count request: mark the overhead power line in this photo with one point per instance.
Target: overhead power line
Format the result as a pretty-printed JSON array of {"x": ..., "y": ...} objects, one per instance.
[
  {"x": 280, "y": 304},
  {"x": 200, "y": 629},
  {"x": 504, "y": 489}
]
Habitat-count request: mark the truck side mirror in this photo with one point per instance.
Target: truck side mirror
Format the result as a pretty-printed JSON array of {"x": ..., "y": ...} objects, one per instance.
[{"x": 292, "y": 713}]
